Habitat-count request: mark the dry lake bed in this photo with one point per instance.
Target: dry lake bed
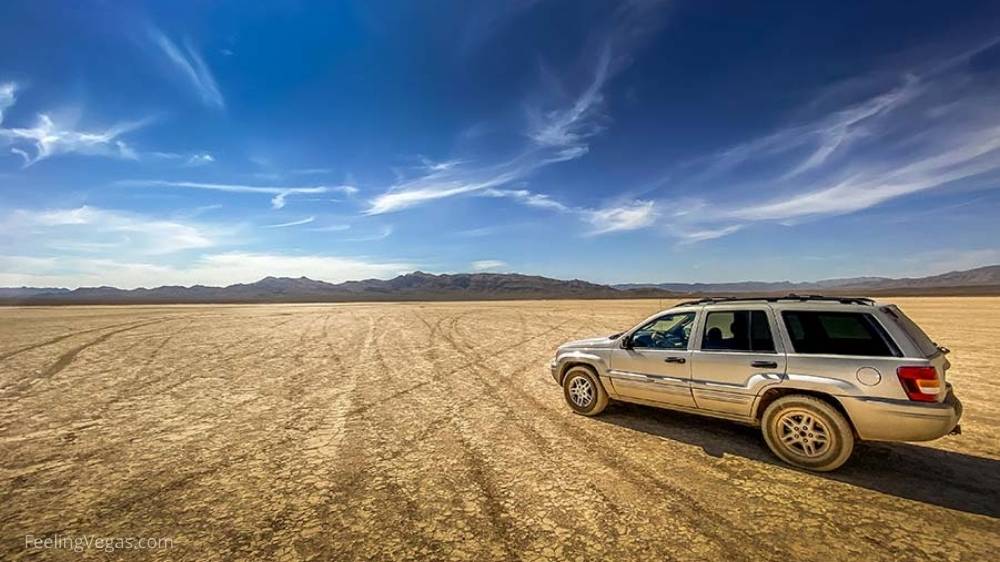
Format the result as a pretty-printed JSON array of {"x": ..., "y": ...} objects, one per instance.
[{"x": 433, "y": 430}]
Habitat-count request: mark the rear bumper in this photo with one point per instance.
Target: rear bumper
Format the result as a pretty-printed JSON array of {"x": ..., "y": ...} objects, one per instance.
[
  {"x": 903, "y": 420},
  {"x": 554, "y": 369}
]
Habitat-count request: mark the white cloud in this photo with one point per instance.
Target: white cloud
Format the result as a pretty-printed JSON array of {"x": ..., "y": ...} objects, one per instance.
[
  {"x": 306, "y": 220},
  {"x": 631, "y": 216},
  {"x": 569, "y": 127},
  {"x": 692, "y": 236},
  {"x": 280, "y": 193},
  {"x": 213, "y": 269},
  {"x": 200, "y": 159},
  {"x": 929, "y": 129},
  {"x": 557, "y": 133},
  {"x": 380, "y": 235},
  {"x": 48, "y": 137},
  {"x": 528, "y": 198},
  {"x": 331, "y": 228},
  {"x": 975, "y": 154},
  {"x": 312, "y": 171},
  {"x": 487, "y": 265},
  {"x": 191, "y": 66},
  {"x": 442, "y": 183},
  {"x": 7, "y": 97},
  {"x": 91, "y": 229}
]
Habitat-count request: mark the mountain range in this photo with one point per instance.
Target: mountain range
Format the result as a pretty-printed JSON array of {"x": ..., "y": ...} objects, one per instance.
[{"x": 495, "y": 286}]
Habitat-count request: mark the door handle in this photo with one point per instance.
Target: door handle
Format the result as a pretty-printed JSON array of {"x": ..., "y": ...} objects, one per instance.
[
  {"x": 764, "y": 364},
  {"x": 675, "y": 360}
]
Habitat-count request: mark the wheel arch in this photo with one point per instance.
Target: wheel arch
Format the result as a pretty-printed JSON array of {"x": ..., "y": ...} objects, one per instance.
[
  {"x": 576, "y": 358},
  {"x": 767, "y": 397},
  {"x": 578, "y": 363}
]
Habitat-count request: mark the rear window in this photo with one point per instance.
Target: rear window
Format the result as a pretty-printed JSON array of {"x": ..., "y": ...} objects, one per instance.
[
  {"x": 919, "y": 337},
  {"x": 836, "y": 333}
]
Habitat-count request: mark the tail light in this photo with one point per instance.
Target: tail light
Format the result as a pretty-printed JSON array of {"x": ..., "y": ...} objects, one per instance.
[{"x": 920, "y": 383}]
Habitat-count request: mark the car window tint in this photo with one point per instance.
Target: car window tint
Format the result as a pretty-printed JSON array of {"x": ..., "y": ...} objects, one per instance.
[
  {"x": 836, "y": 333},
  {"x": 738, "y": 330}
]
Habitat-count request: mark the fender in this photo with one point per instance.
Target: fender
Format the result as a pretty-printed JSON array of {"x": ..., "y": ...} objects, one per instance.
[
  {"x": 561, "y": 363},
  {"x": 823, "y": 385}
]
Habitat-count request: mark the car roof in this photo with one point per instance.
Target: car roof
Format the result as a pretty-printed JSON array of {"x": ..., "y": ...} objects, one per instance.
[{"x": 790, "y": 298}]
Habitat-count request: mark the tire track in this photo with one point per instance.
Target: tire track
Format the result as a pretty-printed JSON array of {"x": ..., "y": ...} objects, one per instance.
[
  {"x": 638, "y": 475},
  {"x": 67, "y": 358},
  {"x": 9, "y": 354}
]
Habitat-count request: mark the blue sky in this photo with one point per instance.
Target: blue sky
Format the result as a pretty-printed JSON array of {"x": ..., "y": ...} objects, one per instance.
[{"x": 219, "y": 142}]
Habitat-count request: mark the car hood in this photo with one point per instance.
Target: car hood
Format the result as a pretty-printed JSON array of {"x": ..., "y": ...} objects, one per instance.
[{"x": 602, "y": 342}]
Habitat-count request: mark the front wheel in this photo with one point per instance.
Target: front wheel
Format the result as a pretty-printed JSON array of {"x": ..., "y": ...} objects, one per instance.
[
  {"x": 807, "y": 432},
  {"x": 583, "y": 392}
]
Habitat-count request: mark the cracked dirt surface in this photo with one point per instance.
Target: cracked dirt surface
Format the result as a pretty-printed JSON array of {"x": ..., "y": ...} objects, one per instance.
[{"x": 433, "y": 431}]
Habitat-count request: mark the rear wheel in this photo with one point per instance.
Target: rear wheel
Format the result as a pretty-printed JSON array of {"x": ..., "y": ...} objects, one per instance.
[
  {"x": 807, "y": 432},
  {"x": 583, "y": 392}
]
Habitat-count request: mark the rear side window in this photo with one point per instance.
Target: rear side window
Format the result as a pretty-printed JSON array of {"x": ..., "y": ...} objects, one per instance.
[
  {"x": 737, "y": 330},
  {"x": 837, "y": 333}
]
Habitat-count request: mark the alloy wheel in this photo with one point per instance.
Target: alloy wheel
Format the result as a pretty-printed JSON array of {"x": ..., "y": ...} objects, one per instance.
[
  {"x": 581, "y": 392},
  {"x": 804, "y": 434}
]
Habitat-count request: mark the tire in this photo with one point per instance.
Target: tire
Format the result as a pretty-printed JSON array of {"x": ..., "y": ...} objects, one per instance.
[
  {"x": 584, "y": 392},
  {"x": 807, "y": 432}
]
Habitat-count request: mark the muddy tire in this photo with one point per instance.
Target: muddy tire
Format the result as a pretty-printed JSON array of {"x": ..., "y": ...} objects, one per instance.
[
  {"x": 584, "y": 392},
  {"x": 808, "y": 433}
]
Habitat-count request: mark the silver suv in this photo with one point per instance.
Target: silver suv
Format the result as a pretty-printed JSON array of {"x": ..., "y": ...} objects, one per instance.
[{"x": 815, "y": 373}]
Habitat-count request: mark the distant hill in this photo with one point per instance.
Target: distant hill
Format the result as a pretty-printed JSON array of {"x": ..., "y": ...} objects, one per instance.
[
  {"x": 494, "y": 286},
  {"x": 980, "y": 280},
  {"x": 412, "y": 286}
]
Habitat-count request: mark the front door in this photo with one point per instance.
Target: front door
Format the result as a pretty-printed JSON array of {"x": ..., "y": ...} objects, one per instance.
[
  {"x": 657, "y": 364},
  {"x": 736, "y": 357}
]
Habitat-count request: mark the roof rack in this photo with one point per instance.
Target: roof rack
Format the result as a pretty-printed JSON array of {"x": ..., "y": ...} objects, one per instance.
[{"x": 788, "y": 297}]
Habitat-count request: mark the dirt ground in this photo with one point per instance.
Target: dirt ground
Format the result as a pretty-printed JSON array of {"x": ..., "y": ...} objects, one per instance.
[{"x": 433, "y": 431}]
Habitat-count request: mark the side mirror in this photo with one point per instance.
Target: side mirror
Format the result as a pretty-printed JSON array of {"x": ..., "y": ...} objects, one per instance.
[{"x": 627, "y": 342}]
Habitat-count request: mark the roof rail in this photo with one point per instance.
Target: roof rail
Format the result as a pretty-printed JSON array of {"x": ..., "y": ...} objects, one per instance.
[{"x": 788, "y": 297}]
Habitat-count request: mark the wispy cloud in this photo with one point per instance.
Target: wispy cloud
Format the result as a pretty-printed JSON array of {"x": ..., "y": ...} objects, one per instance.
[
  {"x": 557, "y": 132},
  {"x": 443, "y": 183},
  {"x": 933, "y": 127},
  {"x": 699, "y": 235},
  {"x": 186, "y": 159},
  {"x": 306, "y": 220},
  {"x": 48, "y": 138},
  {"x": 611, "y": 218},
  {"x": 211, "y": 269},
  {"x": 311, "y": 171},
  {"x": 200, "y": 159},
  {"x": 568, "y": 128},
  {"x": 189, "y": 64},
  {"x": 380, "y": 235},
  {"x": 279, "y": 193},
  {"x": 630, "y": 216},
  {"x": 7, "y": 97},
  {"x": 525, "y": 197},
  {"x": 331, "y": 228},
  {"x": 487, "y": 265},
  {"x": 93, "y": 229}
]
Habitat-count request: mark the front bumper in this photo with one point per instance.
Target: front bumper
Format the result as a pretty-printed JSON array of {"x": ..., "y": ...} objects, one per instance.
[
  {"x": 554, "y": 370},
  {"x": 903, "y": 420}
]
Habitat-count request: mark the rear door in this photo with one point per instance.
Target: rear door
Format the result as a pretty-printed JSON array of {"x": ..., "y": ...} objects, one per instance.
[
  {"x": 843, "y": 347},
  {"x": 657, "y": 366},
  {"x": 737, "y": 354}
]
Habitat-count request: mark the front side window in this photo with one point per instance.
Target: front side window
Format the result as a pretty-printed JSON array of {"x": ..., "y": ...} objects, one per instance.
[
  {"x": 666, "y": 332},
  {"x": 836, "y": 333},
  {"x": 737, "y": 330}
]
